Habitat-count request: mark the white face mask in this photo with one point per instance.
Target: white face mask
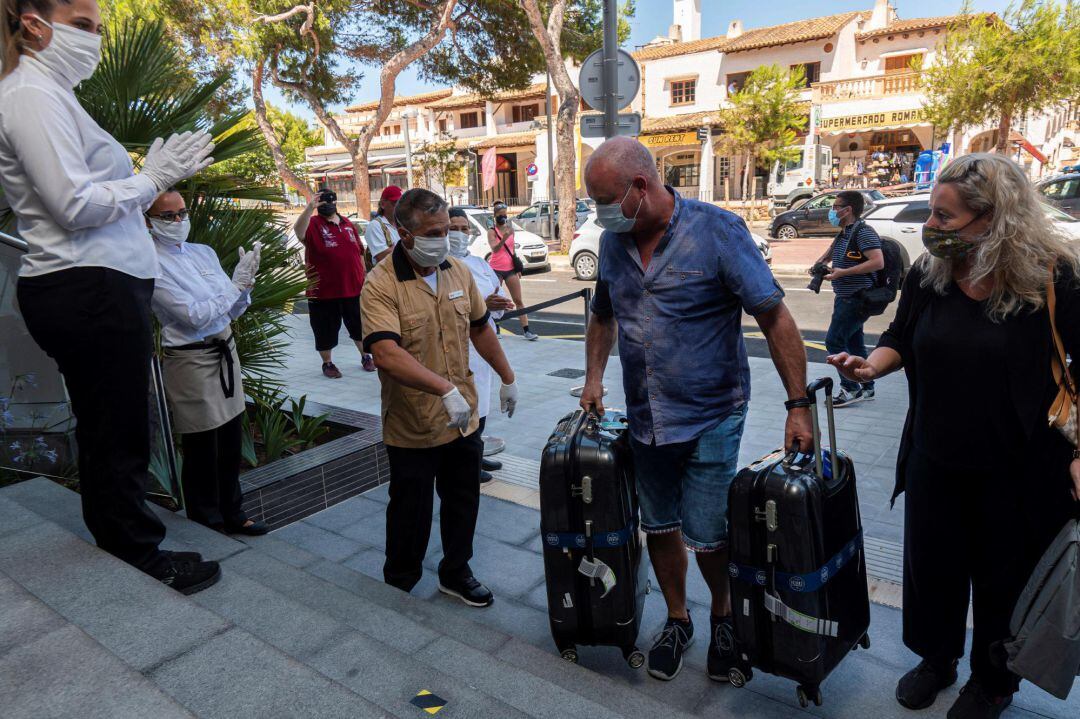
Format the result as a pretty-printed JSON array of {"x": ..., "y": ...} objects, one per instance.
[
  {"x": 170, "y": 233},
  {"x": 72, "y": 54},
  {"x": 459, "y": 243},
  {"x": 429, "y": 251}
]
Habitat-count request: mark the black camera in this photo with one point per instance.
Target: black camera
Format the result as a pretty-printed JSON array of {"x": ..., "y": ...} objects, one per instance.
[
  {"x": 817, "y": 276},
  {"x": 327, "y": 196}
]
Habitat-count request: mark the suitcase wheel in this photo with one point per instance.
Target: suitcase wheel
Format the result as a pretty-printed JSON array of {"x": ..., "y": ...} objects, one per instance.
[
  {"x": 865, "y": 641},
  {"x": 738, "y": 677},
  {"x": 570, "y": 655},
  {"x": 807, "y": 695},
  {"x": 634, "y": 657}
]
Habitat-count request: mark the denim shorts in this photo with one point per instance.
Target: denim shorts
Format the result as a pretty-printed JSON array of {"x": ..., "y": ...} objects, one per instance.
[{"x": 685, "y": 485}]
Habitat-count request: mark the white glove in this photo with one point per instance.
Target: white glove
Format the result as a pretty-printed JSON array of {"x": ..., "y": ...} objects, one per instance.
[
  {"x": 457, "y": 408},
  {"x": 244, "y": 274},
  {"x": 178, "y": 158},
  {"x": 508, "y": 396}
]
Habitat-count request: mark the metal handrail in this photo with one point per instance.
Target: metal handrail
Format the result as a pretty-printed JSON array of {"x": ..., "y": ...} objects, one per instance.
[{"x": 17, "y": 242}]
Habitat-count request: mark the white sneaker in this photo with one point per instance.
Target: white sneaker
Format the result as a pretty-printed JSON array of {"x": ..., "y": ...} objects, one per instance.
[
  {"x": 531, "y": 336},
  {"x": 845, "y": 399}
]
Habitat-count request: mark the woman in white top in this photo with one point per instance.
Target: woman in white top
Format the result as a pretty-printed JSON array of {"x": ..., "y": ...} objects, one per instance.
[
  {"x": 461, "y": 235},
  {"x": 196, "y": 302},
  {"x": 85, "y": 284}
]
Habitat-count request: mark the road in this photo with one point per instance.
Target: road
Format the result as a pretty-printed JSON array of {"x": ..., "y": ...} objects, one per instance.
[{"x": 811, "y": 311}]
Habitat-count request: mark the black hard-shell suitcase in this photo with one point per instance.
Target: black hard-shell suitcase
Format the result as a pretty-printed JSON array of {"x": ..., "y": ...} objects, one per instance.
[
  {"x": 589, "y": 527},
  {"x": 798, "y": 591}
]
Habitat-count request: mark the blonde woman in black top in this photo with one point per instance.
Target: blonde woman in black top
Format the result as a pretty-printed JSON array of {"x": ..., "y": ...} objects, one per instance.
[{"x": 989, "y": 484}]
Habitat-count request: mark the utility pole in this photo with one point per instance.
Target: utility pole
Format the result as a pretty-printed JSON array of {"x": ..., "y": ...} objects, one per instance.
[
  {"x": 407, "y": 116},
  {"x": 611, "y": 67},
  {"x": 551, "y": 164}
]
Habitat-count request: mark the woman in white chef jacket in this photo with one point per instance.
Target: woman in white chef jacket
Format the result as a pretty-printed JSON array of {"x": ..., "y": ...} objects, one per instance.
[
  {"x": 85, "y": 283},
  {"x": 488, "y": 283},
  {"x": 196, "y": 302}
]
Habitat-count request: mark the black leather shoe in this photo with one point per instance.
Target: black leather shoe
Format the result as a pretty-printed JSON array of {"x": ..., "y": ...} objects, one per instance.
[
  {"x": 486, "y": 477},
  {"x": 256, "y": 529},
  {"x": 919, "y": 688},
  {"x": 490, "y": 465},
  {"x": 190, "y": 577},
  {"x": 975, "y": 702},
  {"x": 468, "y": 590},
  {"x": 182, "y": 556}
]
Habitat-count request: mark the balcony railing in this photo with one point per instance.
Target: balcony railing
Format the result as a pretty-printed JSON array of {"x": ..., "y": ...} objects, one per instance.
[{"x": 863, "y": 88}]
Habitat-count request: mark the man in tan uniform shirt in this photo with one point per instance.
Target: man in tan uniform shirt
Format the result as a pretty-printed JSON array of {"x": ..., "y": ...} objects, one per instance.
[{"x": 420, "y": 309}]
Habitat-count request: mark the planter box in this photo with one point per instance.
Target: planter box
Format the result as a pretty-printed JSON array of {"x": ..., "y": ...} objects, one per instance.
[{"x": 290, "y": 489}]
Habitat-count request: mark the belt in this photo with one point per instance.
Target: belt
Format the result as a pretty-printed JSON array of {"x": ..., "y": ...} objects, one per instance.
[{"x": 223, "y": 347}]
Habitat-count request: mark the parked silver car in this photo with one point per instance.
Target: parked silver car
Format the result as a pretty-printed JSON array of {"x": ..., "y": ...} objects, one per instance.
[{"x": 534, "y": 218}]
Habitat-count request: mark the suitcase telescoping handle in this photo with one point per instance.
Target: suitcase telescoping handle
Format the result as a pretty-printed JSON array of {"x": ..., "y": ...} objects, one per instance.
[{"x": 825, "y": 383}]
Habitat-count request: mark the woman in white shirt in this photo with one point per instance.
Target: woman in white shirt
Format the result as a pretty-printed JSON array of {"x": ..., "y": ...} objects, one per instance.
[
  {"x": 196, "y": 302},
  {"x": 85, "y": 284},
  {"x": 497, "y": 303}
]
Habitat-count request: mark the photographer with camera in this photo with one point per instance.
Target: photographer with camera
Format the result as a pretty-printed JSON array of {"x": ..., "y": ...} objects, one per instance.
[
  {"x": 334, "y": 257},
  {"x": 856, "y": 255}
]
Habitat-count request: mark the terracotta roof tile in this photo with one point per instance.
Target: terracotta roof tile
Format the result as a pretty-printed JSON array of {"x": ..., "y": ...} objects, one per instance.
[
  {"x": 510, "y": 139},
  {"x": 756, "y": 38},
  {"x": 339, "y": 150},
  {"x": 675, "y": 123},
  {"x": 920, "y": 23},
  {"x": 455, "y": 101},
  {"x": 421, "y": 99}
]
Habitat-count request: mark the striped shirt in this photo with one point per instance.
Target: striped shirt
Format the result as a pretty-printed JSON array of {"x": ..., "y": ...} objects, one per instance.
[{"x": 866, "y": 238}]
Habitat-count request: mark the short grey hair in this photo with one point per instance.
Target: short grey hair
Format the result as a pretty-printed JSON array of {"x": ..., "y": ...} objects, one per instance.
[{"x": 414, "y": 205}]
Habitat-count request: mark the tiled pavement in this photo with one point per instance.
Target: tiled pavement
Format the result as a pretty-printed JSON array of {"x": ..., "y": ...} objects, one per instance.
[{"x": 869, "y": 432}]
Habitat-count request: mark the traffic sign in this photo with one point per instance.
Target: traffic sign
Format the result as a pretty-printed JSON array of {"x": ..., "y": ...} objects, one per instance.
[
  {"x": 702, "y": 134},
  {"x": 591, "y": 80},
  {"x": 627, "y": 123},
  {"x": 532, "y": 169}
]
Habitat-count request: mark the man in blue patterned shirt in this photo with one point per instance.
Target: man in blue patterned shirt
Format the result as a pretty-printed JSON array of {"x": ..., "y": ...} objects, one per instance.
[{"x": 675, "y": 278}]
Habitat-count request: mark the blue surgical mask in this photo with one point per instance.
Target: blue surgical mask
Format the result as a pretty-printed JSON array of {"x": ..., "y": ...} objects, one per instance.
[
  {"x": 834, "y": 219},
  {"x": 611, "y": 217}
]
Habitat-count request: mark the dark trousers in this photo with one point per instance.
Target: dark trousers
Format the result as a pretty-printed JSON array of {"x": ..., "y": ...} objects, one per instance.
[
  {"x": 211, "y": 475},
  {"x": 978, "y": 534},
  {"x": 453, "y": 470},
  {"x": 846, "y": 334},
  {"x": 95, "y": 323},
  {"x": 327, "y": 316}
]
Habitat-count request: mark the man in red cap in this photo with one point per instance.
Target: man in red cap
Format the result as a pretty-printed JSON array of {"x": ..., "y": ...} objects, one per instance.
[
  {"x": 382, "y": 234},
  {"x": 335, "y": 266}
]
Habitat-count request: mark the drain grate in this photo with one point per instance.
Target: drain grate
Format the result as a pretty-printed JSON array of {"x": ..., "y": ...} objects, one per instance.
[{"x": 568, "y": 373}]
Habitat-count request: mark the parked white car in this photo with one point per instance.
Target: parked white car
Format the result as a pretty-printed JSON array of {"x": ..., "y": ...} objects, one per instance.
[
  {"x": 529, "y": 247},
  {"x": 585, "y": 249},
  {"x": 900, "y": 219}
]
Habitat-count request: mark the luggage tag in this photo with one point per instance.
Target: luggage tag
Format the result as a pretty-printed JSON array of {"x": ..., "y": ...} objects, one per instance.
[{"x": 596, "y": 569}]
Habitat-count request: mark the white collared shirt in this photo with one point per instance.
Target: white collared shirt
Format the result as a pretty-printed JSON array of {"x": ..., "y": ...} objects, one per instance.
[
  {"x": 380, "y": 236},
  {"x": 69, "y": 182},
  {"x": 488, "y": 283},
  {"x": 193, "y": 297}
]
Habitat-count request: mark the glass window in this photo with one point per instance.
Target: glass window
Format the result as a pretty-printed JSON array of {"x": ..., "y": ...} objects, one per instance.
[
  {"x": 1061, "y": 190},
  {"x": 915, "y": 213},
  {"x": 811, "y": 71},
  {"x": 442, "y": 125},
  {"x": 528, "y": 214},
  {"x": 524, "y": 113},
  {"x": 723, "y": 167},
  {"x": 735, "y": 82},
  {"x": 683, "y": 92},
  {"x": 821, "y": 202},
  {"x": 469, "y": 120},
  {"x": 682, "y": 171}
]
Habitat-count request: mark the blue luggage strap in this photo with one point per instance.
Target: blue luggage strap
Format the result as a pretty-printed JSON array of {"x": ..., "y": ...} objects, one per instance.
[
  {"x": 600, "y": 540},
  {"x": 802, "y": 583}
]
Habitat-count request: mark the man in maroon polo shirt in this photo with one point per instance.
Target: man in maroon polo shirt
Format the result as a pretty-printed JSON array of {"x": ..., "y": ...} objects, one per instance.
[{"x": 335, "y": 265}]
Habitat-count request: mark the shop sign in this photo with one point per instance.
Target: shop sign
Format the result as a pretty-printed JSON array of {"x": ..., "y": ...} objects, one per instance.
[
  {"x": 669, "y": 140},
  {"x": 872, "y": 119}
]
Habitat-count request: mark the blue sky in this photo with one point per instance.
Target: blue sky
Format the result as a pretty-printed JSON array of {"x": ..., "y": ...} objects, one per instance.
[{"x": 654, "y": 17}]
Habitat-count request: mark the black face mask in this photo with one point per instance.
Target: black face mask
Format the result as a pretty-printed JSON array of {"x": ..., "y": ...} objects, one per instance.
[
  {"x": 330, "y": 208},
  {"x": 501, "y": 219}
]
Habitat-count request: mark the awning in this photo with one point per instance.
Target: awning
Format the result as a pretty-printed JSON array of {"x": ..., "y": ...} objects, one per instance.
[
  {"x": 325, "y": 167},
  {"x": 1015, "y": 138},
  {"x": 877, "y": 128},
  {"x": 872, "y": 121},
  {"x": 901, "y": 53}
]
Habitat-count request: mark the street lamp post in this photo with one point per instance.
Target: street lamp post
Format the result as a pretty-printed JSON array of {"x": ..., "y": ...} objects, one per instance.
[{"x": 407, "y": 116}]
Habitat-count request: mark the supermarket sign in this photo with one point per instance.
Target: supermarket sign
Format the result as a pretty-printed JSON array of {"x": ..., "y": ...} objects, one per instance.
[{"x": 889, "y": 118}]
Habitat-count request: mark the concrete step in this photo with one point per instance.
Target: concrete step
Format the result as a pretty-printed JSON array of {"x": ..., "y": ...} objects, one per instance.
[
  {"x": 51, "y": 668},
  {"x": 203, "y": 662}
]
